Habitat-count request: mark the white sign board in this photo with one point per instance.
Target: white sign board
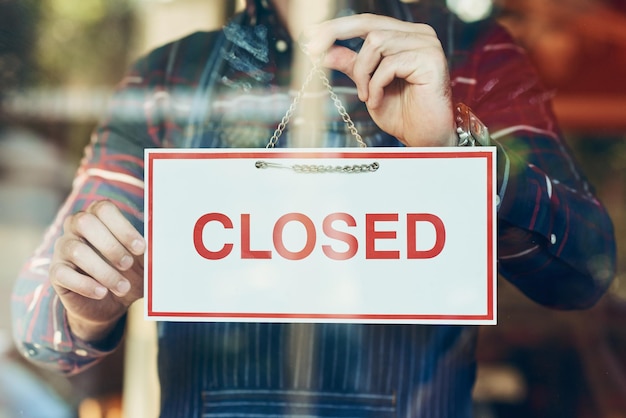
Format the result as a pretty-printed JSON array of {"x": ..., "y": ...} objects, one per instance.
[{"x": 277, "y": 236}]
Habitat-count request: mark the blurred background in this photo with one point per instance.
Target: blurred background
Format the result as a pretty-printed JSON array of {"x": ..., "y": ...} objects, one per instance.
[{"x": 59, "y": 61}]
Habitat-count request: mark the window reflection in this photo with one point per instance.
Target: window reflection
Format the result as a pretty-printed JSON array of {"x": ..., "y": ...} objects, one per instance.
[{"x": 60, "y": 60}]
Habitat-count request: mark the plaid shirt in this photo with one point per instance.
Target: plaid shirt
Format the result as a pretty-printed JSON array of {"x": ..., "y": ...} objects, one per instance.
[{"x": 228, "y": 89}]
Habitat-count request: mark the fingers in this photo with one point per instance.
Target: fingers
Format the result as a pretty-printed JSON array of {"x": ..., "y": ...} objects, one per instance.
[
  {"x": 110, "y": 216},
  {"x": 387, "y": 55},
  {"x": 391, "y": 49},
  {"x": 98, "y": 249},
  {"x": 400, "y": 72},
  {"x": 65, "y": 279},
  {"x": 423, "y": 67},
  {"x": 319, "y": 38},
  {"x": 106, "y": 229},
  {"x": 77, "y": 267}
]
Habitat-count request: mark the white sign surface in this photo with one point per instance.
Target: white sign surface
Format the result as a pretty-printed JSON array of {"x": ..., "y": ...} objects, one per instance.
[{"x": 276, "y": 236}]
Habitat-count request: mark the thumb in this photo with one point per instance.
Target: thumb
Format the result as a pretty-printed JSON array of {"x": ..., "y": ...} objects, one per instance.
[{"x": 343, "y": 59}]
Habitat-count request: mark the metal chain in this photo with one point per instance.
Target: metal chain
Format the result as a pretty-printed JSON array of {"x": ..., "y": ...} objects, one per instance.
[
  {"x": 340, "y": 108},
  {"x": 311, "y": 168}
]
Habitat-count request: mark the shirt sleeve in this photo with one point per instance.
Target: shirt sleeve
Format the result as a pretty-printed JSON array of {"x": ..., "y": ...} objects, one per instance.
[
  {"x": 555, "y": 239},
  {"x": 112, "y": 168},
  {"x": 150, "y": 108}
]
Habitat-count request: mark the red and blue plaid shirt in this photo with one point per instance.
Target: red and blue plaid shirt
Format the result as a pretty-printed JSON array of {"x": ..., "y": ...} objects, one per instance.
[{"x": 230, "y": 89}]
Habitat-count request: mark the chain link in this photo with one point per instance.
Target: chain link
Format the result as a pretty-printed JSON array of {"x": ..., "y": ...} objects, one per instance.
[
  {"x": 312, "y": 168},
  {"x": 336, "y": 101}
]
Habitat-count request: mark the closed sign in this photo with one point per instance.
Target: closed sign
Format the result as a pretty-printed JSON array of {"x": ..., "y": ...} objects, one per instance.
[{"x": 374, "y": 235}]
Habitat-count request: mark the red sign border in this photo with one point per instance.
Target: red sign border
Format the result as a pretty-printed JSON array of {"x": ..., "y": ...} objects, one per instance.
[{"x": 331, "y": 154}]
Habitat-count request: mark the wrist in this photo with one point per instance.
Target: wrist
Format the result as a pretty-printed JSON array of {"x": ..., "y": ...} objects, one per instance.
[
  {"x": 433, "y": 138},
  {"x": 91, "y": 332},
  {"x": 453, "y": 139}
]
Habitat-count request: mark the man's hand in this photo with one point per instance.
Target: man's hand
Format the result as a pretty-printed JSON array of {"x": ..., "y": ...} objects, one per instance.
[
  {"x": 97, "y": 269},
  {"x": 400, "y": 73}
]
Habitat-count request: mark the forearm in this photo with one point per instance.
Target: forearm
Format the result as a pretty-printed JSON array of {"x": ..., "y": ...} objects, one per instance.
[
  {"x": 96, "y": 333},
  {"x": 112, "y": 169},
  {"x": 551, "y": 281},
  {"x": 555, "y": 241},
  {"x": 41, "y": 329}
]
